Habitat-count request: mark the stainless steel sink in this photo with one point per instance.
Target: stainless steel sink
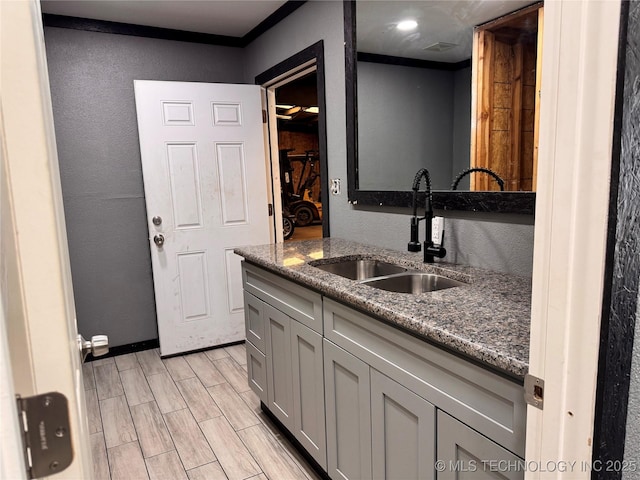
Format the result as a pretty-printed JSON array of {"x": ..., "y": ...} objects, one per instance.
[
  {"x": 361, "y": 269},
  {"x": 413, "y": 282}
]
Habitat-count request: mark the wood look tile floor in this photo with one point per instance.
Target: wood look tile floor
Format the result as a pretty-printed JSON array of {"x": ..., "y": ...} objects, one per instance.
[{"x": 191, "y": 417}]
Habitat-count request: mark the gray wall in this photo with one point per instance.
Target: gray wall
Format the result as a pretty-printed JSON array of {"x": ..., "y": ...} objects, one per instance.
[
  {"x": 429, "y": 114},
  {"x": 461, "y": 125},
  {"x": 405, "y": 122},
  {"x": 499, "y": 242},
  {"x": 92, "y": 88},
  {"x": 96, "y": 129},
  {"x": 495, "y": 241}
]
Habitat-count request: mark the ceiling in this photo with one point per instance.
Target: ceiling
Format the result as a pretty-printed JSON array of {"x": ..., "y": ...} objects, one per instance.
[
  {"x": 219, "y": 17},
  {"x": 449, "y": 21}
]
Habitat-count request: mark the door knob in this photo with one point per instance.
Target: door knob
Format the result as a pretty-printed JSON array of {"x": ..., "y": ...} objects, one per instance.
[
  {"x": 97, "y": 346},
  {"x": 158, "y": 240}
]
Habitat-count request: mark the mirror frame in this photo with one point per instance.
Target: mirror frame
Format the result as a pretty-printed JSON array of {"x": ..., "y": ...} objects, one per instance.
[{"x": 497, "y": 202}]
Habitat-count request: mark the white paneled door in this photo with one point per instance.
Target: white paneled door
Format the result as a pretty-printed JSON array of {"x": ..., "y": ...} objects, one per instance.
[{"x": 205, "y": 181}]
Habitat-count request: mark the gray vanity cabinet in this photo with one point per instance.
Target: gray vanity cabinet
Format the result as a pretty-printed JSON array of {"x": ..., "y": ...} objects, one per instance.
[
  {"x": 368, "y": 400},
  {"x": 464, "y": 453},
  {"x": 488, "y": 403},
  {"x": 347, "y": 394},
  {"x": 403, "y": 428},
  {"x": 285, "y": 318}
]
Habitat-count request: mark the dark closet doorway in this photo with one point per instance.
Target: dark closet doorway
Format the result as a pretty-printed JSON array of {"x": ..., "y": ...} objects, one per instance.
[
  {"x": 297, "y": 114},
  {"x": 296, "y": 82}
]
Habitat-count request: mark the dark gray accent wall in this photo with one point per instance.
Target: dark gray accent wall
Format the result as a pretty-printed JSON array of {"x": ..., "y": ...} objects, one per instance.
[
  {"x": 627, "y": 269},
  {"x": 91, "y": 77},
  {"x": 632, "y": 435},
  {"x": 405, "y": 122}
]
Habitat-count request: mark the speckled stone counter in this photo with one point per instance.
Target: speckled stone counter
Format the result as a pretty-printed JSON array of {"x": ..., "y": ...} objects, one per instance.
[{"x": 487, "y": 319}]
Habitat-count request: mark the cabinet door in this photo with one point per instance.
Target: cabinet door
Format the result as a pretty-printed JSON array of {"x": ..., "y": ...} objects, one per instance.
[
  {"x": 278, "y": 356},
  {"x": 257, "y": 372},
  {"x": 347, "y": 391},
  {"x": 308, "y": 391},
  {"x": 403, "y": 432},
  {"x": 464, "y": 453},
  {"x": 254, "y": 321}
]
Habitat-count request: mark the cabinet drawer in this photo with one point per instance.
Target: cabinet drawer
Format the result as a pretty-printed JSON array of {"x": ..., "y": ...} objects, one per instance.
[
  {"x": 257, "y": 372},
  {"x": 254, "y": 321},
  {"x": 296, "y": 301},
  {"x": 487, "y": 402}
]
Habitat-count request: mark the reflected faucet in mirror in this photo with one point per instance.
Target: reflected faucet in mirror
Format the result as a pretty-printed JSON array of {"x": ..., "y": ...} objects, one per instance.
[
  {"x": 430, "y": 250},
  {"x": 469, "y": 171}
]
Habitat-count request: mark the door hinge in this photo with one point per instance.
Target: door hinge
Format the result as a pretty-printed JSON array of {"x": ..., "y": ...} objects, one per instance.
[
  {"x": 46, "y": 433},
  {"x": 264, "y": 116},
  {"x": 271, "y": 209},
  {"x": 534, "y": 391}
]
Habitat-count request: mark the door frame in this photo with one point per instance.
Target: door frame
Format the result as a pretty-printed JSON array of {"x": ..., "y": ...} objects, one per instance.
[
  {"x": 34, "y": 260},
  {"x": 284, "y": 72},
  {"x": 572, "y": 207}
]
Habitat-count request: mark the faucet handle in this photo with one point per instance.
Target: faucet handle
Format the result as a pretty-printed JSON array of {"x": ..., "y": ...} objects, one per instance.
[{"x": 414, "y": 244}]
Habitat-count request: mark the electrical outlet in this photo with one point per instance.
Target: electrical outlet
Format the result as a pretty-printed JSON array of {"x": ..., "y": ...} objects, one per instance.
[
  {"x": 437, "y": 230},
  {"x": 335, "y": 186}
]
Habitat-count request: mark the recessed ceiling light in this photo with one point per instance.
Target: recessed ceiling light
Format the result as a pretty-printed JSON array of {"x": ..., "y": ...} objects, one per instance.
[{"x": 407, "y": 25}]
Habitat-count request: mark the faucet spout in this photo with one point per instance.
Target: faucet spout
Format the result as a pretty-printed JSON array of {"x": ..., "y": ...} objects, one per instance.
[{"x": 430, "y": 250}]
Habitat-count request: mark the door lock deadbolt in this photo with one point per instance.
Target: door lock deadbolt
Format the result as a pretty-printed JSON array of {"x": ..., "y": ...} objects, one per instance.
[{"x": 157, "y": 220}]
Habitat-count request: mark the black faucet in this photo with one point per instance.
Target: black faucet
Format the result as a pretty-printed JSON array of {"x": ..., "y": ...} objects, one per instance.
[
  {"x": 430, "y": 250},
  {"x": 468, "y": 171}
]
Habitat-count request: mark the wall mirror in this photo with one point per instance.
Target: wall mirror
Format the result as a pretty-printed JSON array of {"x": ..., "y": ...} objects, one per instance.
[{"x": 411, "y": 102}]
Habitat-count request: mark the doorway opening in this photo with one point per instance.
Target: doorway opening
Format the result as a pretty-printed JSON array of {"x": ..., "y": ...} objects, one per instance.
[
  {"x": 294, "y": 94},
  {"x": 298, "y": 152}
]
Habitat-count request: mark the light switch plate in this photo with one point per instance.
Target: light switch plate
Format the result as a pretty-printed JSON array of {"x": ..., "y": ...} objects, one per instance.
[{"x": 335, "y": 186}]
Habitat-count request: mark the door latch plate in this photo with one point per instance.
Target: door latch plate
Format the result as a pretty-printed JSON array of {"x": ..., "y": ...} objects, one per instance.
[
  {"x": 534, "y": 391},
  {"x": 46, "y": 433}
]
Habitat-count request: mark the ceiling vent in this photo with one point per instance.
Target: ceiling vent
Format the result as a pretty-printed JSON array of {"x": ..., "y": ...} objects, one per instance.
[{"x": 440, "y": 47}]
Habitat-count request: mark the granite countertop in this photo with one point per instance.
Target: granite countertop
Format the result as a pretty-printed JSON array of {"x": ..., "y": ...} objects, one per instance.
[{"x": 486, "y": 320}]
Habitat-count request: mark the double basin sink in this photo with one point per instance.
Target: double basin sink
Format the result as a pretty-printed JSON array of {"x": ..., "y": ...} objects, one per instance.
[{"x": 387, "y": 276}]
